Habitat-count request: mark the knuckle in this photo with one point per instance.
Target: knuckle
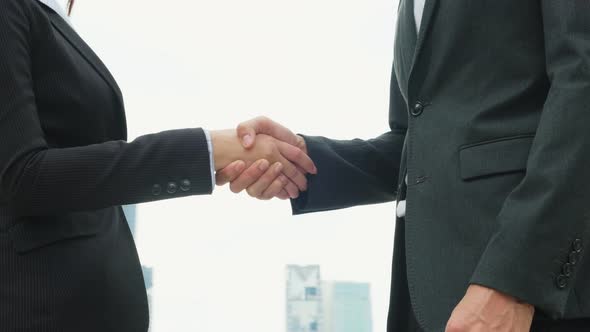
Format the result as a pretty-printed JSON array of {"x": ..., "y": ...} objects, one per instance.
[
  {"x": 284, "y": 181},
  {"x": 269, "y": 152},
  {"x": 243, "y": 127},
  {"x": 262, "y": 121},
  {"x": 455, "y": 326}
]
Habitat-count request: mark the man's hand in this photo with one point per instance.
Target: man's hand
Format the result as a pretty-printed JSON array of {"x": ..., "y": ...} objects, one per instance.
[
  {"x": 253, "y": 179},
  {"x": 484, "y": 309},
  {"x": 248, "y": 130},
  {"x": 288, "y": 169}
]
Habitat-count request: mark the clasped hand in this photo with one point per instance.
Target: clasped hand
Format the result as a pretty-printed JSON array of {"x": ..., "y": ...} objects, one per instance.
[{"x": 263, "y": 158}]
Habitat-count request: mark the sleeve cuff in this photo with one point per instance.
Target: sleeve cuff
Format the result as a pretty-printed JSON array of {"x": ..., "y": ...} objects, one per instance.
[{"x": 211, "y": 161}]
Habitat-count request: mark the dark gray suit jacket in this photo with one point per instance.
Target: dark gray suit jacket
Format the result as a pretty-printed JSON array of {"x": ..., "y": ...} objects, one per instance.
[{"x": 492, "y": 115}]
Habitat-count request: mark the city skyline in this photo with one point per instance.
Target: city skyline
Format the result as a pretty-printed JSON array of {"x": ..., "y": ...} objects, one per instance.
[{"x": 316, "y": 305}]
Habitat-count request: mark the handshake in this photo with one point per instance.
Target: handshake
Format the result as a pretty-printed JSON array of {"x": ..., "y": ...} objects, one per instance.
[{"x": 263, "y": 158}]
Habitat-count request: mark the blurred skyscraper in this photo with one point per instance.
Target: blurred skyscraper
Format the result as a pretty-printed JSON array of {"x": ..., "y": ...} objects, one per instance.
[
  {"x": 131, "y": 216},
  {"x": 303, "y": 298},
  {"x": 314, "y": 305},
  {"x": 346, "y": 307}
]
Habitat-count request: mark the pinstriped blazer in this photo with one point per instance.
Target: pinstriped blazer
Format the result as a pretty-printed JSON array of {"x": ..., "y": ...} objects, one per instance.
[{"x": 67, "y": 258}]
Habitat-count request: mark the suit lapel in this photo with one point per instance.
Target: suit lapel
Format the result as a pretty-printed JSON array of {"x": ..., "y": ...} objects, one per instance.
[
  {"x": 72, "y": 37},
  {"x": 429, "y": 9}
]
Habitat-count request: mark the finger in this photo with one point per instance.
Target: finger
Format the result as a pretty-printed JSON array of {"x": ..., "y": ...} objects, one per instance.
[
  {"x": 249, "y": 176},
  {"x": 266, "y": 180},
  {"x": 293, "y": 173},
  {"x": 283, "y": 195},
  {"x": 276, "y": 187},
  {"x": 262, "y": 125},
  {"x": 297, "y": 156},
  {"x": 229, "y": 173},
  {"x": 292, "y": 190}
]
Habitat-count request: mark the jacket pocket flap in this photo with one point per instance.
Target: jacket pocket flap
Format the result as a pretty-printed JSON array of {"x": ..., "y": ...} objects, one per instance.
[
  {"x": 504, "y": 155},
  {"x": 36, "y": 232}
]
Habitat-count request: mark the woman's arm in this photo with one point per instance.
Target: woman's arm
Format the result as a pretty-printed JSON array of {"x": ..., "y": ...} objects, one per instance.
[{"x": 38, "y": 180}]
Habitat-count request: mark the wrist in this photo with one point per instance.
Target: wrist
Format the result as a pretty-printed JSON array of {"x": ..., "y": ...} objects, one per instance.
[{"x": 226, "y": 147}]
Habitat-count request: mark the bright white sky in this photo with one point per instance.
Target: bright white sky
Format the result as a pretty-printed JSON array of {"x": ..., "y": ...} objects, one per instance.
[{"x": 321, "y": 67}]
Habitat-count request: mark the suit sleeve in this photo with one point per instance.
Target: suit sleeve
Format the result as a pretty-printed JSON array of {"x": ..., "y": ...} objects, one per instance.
[
  {"x": 356, "y": 172},
  {"x": 544, "y": 223},
  {"x": 36, "y": 179}
]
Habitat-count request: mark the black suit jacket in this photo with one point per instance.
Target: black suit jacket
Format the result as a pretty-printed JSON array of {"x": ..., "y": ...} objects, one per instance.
[
  {"x": 490, "y": 118},
  {"x": 67, "y": 258}
]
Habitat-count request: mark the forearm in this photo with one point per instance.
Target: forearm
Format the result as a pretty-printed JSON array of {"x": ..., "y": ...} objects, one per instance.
[
  {"x": 153, "y": 167},
  {"x": 543, "y": 227},
  {"x": 350, "y": 173}
]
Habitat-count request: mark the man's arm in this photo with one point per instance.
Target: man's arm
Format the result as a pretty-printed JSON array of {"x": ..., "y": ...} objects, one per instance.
[
  {"x": 351, "y": 172},
  {"x": 544, "y": 223}
]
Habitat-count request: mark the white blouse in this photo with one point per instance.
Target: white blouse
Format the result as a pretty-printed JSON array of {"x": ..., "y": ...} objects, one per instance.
[{"x": 58, "y": 8}]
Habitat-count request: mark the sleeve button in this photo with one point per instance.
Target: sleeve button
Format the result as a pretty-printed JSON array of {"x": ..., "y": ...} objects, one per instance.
[
  {"x": 561, "y": 281},
  {"x": 156, "y": 190},
  {"x": 172, "y": 188},
  {"x": 567, "y": 269},
  {"x": 573, "y": 258},
  {"x": 578, "y": 245},
  {"x": 185, "y": 185}
]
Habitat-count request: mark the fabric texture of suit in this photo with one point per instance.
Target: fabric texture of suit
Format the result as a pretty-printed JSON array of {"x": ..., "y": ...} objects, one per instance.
[
  {"x": 67, "y": 258},
  {"x": 488, "y": 118}
]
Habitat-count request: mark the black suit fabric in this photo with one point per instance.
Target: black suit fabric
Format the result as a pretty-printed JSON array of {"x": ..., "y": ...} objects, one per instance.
[
  {"x": 67, "y": 258},
  {"x": 489, "y": 121}
]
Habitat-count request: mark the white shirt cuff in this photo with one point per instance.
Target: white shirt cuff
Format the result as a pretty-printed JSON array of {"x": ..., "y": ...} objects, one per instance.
[
  {"x": 400, "y": 210},
  {"x": 211, "y": 161}
]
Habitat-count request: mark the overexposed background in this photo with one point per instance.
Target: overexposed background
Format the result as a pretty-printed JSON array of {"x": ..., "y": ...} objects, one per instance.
[{"x": 321, "y": 67}]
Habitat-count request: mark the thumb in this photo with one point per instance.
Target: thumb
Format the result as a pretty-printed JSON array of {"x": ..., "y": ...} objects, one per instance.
[
  {"x": 247, "y": 134},
  {"x": 262, "y": 125}
]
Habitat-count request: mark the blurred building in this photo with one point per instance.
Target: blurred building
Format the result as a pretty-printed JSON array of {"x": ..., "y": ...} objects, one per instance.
[
  {"x": 304, "y": 298},
  {"x": 131, "y": 216},
  {"x": 314, "y": 305},
  {"x": 346, "y": 307}
]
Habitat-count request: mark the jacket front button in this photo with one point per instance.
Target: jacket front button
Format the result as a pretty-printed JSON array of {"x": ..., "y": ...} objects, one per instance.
[
  {"x": 185, "y": 185},
  {"x": 562, "y": 281},
  {"x": 417, "y": 109},
  {"x": 156, "y": 190},
  {"x": 578, "y": 245},
  {"x": 172, "y": 188}
]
